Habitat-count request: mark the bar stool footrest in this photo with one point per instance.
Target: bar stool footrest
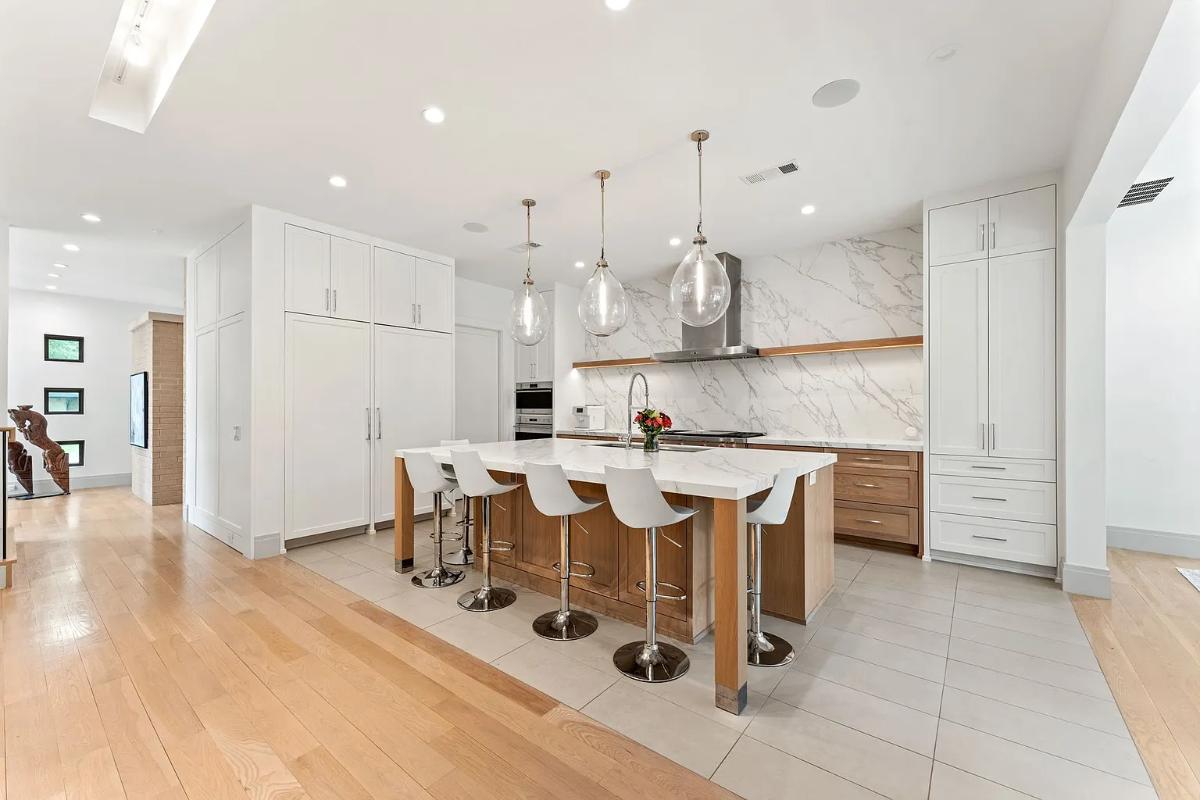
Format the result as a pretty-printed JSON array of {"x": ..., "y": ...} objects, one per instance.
[
  {"x": 501, "y": 547},
  {"x": 590, "y": 573},
  {"x": 662, "y": 596}
]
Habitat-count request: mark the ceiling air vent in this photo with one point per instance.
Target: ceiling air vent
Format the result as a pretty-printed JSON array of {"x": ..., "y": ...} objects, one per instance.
[
  {"x": 770, "y": 174},
  {"x": 1144, "y": 192},
  {"x": 521, "y": 247}
]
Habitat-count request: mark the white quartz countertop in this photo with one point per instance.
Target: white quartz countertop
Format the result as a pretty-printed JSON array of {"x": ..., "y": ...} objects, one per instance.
[
  {"x": 725, "y": 473},
  {"x": 913, "y": 445}
]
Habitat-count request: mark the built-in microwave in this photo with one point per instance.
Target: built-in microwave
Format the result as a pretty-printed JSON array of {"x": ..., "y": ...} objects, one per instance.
[{"x": 535, "y": 397}]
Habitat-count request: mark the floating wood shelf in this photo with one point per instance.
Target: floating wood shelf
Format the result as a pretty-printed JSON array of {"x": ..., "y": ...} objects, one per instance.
[{"x": 786, "y": 350}]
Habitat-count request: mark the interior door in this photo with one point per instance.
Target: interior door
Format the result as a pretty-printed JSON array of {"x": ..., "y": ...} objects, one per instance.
[
  {"x": 327, "y": 462},
  {"x": 394, "y": 301},
  {"x": 233, "y": 474},
  {"x": 434, "y": 286},
  {"x": 958, "y": 358},
  {"x": 405, "y": 417},
  {"x": 1022, "y": 222},
  {"x": 1021, "y": 356},
  {"x": 350, "y": 271},
  {"x": 476, "y": 384},
  {"x": 957, "y": 233},
  {"x": 306, "y": 273}
]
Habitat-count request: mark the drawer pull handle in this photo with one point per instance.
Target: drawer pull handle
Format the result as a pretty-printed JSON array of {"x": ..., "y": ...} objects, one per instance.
[
  {"x": 866, "y": 458},
  {"x": 989, "y": 538},
  {"x": 984, "y": 466},
  {"x": 997, "y": 499},
  {"x": 868, "y": 485},
  {"x": 870, "y": 521}
]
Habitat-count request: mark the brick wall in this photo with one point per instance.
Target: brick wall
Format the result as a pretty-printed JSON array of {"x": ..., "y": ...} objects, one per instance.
[
  {"x": 143, "y": 359},
  {"x": 158, "y": 471}
]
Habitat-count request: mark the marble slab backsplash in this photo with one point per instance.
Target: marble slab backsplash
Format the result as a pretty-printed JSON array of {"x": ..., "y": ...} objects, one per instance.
[{"x": 863, "y": 287}]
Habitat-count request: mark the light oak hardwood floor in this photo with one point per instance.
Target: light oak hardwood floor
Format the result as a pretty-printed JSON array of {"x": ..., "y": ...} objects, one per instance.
[{"x": 143, "y": 659}]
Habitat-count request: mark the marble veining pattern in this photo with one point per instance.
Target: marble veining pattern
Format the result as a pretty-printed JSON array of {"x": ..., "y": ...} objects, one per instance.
[{"x": 858, "y": 288}]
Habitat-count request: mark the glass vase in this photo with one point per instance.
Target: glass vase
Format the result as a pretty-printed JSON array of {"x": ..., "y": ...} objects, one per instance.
[{"x": 650, "y": 443}]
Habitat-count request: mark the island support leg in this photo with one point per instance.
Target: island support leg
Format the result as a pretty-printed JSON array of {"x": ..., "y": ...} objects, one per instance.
[
  {"x": 404, "y": 519},
  {"x": 729, "y": 533}
]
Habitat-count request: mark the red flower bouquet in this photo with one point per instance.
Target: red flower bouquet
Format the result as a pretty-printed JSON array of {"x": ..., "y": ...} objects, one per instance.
[{"x": 652, "y": 423}]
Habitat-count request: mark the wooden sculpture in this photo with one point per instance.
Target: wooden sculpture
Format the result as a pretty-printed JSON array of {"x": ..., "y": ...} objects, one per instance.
[
  {"x": 20, "y": 464},
  {"x": 32, "y": 426}
]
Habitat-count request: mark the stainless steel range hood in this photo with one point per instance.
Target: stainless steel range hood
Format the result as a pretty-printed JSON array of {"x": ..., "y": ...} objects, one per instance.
[{"x": 722, "y": 339}]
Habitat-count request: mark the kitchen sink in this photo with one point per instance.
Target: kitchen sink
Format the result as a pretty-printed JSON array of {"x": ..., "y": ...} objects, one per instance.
[{"x": 675, "y": 448}]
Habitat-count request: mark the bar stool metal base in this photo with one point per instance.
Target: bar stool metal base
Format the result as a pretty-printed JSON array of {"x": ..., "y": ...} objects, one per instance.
[
  {"x": 460, "y": 558},
  {"x": 437, "y": 577},
  {"x": 565, "y": 626},
  {"x": 782, "y": 654},
  {"x": 488, "y": 598},
  {"x": 656, "y": 663}
]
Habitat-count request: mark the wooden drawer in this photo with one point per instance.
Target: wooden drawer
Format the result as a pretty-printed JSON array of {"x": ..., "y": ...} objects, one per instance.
[
  {"x": 885, "y": 487},
  {"x": 1009, "y": 469},
  {"x": 871, "y": 521},
  {"x": 876, "y": 459},
  {"x": 1028, "y": 501},
  {"x": 1010, "y": 540}
]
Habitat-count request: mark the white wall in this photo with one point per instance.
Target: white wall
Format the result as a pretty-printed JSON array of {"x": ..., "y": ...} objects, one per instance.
[
  {"x": 103, "y": 375},
  {"x": 1153, "y": 367},
  {"x": 4, "y": 303},
  {"x": 486, "y": 306}
]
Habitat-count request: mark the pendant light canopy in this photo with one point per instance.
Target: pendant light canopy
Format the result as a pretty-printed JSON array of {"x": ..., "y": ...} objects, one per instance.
[
  {"x": 603, "y": 308},
  {"x": 700, "y": 289},
  {"x": 530, "y": 318}
]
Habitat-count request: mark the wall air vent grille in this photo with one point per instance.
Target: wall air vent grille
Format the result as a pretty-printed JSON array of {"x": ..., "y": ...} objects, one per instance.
[
  {"x": 521, "y": 247},
  {"x": 1144, "y": 192},
  {"x": 771, "y": 173}
]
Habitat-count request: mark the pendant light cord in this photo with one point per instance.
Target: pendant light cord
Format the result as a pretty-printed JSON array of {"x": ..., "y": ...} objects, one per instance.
[
  {"x": 700, "y": 191},
  {"x": 528, "y": 244},
  {"x": 601, "y": 217}
]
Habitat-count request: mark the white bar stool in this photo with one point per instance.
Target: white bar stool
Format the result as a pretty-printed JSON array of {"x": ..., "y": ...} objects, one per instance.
[
  {"x": 637, "y": 502},
  {"x": 553, "y": 496},
  {"x": 464, "y": 555},
  {"x": 426, "y": 476},
  {"x": 475, "y": 481},
  {"x": 766, "y": 649}
]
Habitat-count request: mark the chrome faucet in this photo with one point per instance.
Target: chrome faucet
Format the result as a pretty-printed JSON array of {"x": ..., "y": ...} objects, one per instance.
[{"x": 629, "y": 406}]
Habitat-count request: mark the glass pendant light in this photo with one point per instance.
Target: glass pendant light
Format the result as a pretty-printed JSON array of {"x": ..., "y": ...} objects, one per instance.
[
  {"x": 530, "y": 319},
  {"x": 700, "y": 290},
  {"x": 602, "y": 306}
]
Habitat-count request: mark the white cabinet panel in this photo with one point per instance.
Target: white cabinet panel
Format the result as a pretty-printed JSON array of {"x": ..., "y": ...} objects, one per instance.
[
  {"x": 545, "y": 357},
  {"x": 406, "y": 418},
  {"x": 525, "y": 365},
  {"x": 233, "y": 412},
  {"x": 328, "y": 422},
  {"x": 207, "y": 423},
  {"x": 1028, "y": 501},
  {"x": 958, "y": 233},
  {"x": 208, "y": 267},
  {"x": 395, "y": 303},
  {"x": 306, "y": 273},
  {"x": 234, "y": 272},
  {"x": 1022, "y": 222},
  {"x": 1009, "y": 540},
  {"x": 1021, "y": 356},
  {"x": 350, "y": 279},
  {"x": 1009, "y": 469},
  {"x": 958, "y": 350},
  {"x": 434, "y": 292}
]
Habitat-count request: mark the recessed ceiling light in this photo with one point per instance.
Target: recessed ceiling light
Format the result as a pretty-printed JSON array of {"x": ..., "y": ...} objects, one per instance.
[
  {"x": 475, "y": 227},
  {"x": 617, "y": 5},
  {"x": 53, "y": 275},
  {"x": 944, "y": 53},
  {"x": 60, "y": 265},
  {"x": 88, "y": 216},
  {"x": 675, "y": 241},
  {"x": 808, "y": 209},
  {"x": 337, "y": 181},
  {"x": 836, "y": 93},
  {"x": 71, "y": 248},
  {"x": 578, "y": 265},
  {"x": 52, "y": 287},
  {"x": 434, "y": 115}
]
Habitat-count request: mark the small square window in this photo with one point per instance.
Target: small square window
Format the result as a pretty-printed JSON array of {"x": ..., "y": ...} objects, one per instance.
[
  {"x": 62, "y": 348},
  {"x": 74, "y": 449},
  {"x": 62, "y": 401}
]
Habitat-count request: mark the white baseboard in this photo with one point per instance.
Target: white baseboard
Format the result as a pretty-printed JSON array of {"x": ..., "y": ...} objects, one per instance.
[
  {"x": 1092, "y": 581},
  {"x": 1164, "y": 542},
  {"x": 47, "y": 486}
]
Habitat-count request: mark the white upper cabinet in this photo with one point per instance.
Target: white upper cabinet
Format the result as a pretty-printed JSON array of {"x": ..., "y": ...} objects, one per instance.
[
  {"x": 306, "y": 259},
  {"x": 234, "y": 272},
  {"x": 1021, "y": 356},
  {"x": 208, "y": 268},
  {"x": 958, "y": 233},
  {"x": 350, "y": 279},
  {"x": 434, "y": 293},
  {"x": 394, "y": 300},
  {"x": 1022, "y": 222},
  {"x": 958, "y": 358}
]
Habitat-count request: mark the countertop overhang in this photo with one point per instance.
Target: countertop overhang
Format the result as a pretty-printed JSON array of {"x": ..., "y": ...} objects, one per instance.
[
  {"x": 722, "y": 473},
  {"x": 842, "y": 443}
]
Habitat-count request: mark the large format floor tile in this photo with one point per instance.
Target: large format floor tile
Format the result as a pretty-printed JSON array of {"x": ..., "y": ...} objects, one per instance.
[
  {"x": 888, "y": 631},
  {"x": 1033, "y": 668},
  {"x": 759, "y": 772},
  {"x": 885, "y": 654},
  {"x": 937, "y": 623},
  {"x": 1077, "y": 655},
  {"x": 544, "y": 666},
  {"x": 888, "y": 684},
  {"x": 950, "y": 783}
]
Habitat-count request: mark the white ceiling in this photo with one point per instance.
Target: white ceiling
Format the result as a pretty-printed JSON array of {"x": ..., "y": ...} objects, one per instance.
[{"x": 276, "y": 97}]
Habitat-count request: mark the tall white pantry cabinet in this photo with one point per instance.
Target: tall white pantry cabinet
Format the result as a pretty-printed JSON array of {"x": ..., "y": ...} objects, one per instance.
[
  {"x": 991, "y": 347},
  {"x": 313, "y": 354}
]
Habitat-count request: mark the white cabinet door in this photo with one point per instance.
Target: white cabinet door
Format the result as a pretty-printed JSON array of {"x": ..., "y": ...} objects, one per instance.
[
  {"x": 327, "y": 447},
  {"x": 406, "y": 418},
  {"x": 393, "y": 295},
  {"x": 524, "y": 362},
  {"x": 233, "y": 412},
  {"x": 545, "y": 358},
  {"x": 207, "y": 424},
  {"x": 234, "y": 272},
  {"x": 208, "y": 267},
  {"x": 958, "y": 358},
  {"x": 1021, "y": 356},
  {"x": 306, "y": 270},
  {"x": 350, "y": 279},
  {"x": 1022, "y": 222},
  {"x": 434, "y": 290},
  {"x": 958, "y": 233}
]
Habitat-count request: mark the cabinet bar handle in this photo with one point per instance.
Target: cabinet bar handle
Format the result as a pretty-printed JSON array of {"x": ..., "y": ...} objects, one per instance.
[
  {"x": 982, "y": 240},
  {"x": 989, "y": 538},
  {"x": 993, "y": 247},
  {"x": 414, "y": 314},
  {"x": 868, "y": 485},
  {"x": 368, "y": 410},
  {"x": 326, "y": 299},
  {"x": 983, "y": 436},
  {"x": 419, "y": 314},
  {"x": 985, "y": 466},
  {"x": 997, "y": 499},
  {"x": 378, "y": 424},
  {"x": 993, "y": 436},
  {"x": 870, "y": 521},
  {"x": 335, "y": 301},
  {"x": 866, "y": 458}
]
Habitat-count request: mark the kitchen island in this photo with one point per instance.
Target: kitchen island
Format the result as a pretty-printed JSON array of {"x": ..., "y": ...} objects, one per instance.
[{"x": 712, "y": 563}]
